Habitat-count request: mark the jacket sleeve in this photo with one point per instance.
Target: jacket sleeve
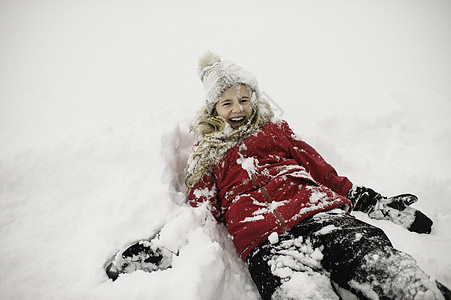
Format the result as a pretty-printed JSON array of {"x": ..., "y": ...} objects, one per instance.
[
  {"x": 321, "y": 171},
  {"x": 205, "y": 191}
]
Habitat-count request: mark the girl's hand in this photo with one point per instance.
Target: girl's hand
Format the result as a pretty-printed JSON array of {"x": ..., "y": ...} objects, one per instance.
[{"x": 396, "y": 209}]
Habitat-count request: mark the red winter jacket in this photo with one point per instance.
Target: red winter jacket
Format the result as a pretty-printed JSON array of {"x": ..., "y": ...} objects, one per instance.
[{"x": 268, "y": 184}]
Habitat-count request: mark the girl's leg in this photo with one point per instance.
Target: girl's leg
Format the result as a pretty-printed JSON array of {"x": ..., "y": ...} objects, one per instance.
[
  {"x": 357, "y": 256},
  {"x": 260, "y": 271},
  {"x": 361, "y": 258},
  {"x": 344, "y": 239},
  {"x": 290, "y": 269},
  {"x": 392, "y": 274}
]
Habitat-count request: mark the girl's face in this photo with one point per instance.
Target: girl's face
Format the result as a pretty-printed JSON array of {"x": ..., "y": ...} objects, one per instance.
[{"x": 235, "y": 105}]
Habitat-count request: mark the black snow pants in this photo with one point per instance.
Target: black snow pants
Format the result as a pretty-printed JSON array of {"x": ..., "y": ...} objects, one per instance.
[{"x": 336, "y": 250}]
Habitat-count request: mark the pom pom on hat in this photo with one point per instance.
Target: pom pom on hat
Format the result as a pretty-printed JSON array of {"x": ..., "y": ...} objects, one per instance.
[
  {"x": 217, "y": 76},
  {"x": 208, "y": 60}
]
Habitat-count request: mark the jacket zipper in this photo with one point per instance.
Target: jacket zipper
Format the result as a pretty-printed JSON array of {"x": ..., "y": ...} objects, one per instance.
[{"x": 269, "y": 201}]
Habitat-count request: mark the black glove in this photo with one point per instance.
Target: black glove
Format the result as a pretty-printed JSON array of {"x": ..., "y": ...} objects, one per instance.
[
  {"x": 143, "y": 255},
  {"x": 396, "y": 209}
]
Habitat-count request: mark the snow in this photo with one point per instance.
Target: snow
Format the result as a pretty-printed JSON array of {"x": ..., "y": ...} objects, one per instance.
[
  {"x": 95, "y": 101},
  {"x": 252, "y": 219},
  {"x": 203, "y": 193},
  {"x": 326, "y": 229},
  {"x": 273, "y": 238},
  {"x": 312, "y": 287},
  {"x": 248, "y": 164},
  {"x": 294, "y": 262}
]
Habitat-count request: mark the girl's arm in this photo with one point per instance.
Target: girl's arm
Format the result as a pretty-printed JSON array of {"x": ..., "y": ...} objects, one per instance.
[
  {"x": 396, "y": 209},
  {"x": 205, "y": 191},
  {"x": 309, "y": 158}
]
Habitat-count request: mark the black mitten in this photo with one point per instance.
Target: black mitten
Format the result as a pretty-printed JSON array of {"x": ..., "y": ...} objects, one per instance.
[
  {"x": 364, "y": 199},
  {"x": 396, "y": 209},
  {"x": 143, "y": 255}
]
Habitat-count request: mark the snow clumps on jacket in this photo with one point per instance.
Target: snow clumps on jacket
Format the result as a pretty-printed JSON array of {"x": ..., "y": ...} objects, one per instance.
[{"x": 267, "y": 182}]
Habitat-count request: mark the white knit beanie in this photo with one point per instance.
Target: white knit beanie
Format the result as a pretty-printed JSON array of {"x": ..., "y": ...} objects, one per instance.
[{"x": 217, "y": 76}]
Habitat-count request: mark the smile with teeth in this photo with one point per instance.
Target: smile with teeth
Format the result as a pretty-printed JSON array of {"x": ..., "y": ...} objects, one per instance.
[{"x": 237, "y": 120}]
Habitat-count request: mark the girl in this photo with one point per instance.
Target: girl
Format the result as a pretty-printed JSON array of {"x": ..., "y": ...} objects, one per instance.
[{"x": 285, "y": 208}]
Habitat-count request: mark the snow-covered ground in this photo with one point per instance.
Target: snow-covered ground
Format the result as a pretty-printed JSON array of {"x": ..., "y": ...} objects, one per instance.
[{"x": 96, "y": 97}]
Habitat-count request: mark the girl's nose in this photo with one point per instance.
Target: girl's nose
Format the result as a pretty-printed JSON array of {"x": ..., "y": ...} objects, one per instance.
[{"x": 237, "y": 107}]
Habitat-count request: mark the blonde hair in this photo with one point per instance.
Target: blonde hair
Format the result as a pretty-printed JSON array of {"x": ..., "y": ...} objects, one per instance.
[{"x": 217, "y": 137}]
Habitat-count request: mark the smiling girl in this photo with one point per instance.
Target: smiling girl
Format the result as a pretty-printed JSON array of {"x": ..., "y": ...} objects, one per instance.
[{"x": 286, "y": 209}]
